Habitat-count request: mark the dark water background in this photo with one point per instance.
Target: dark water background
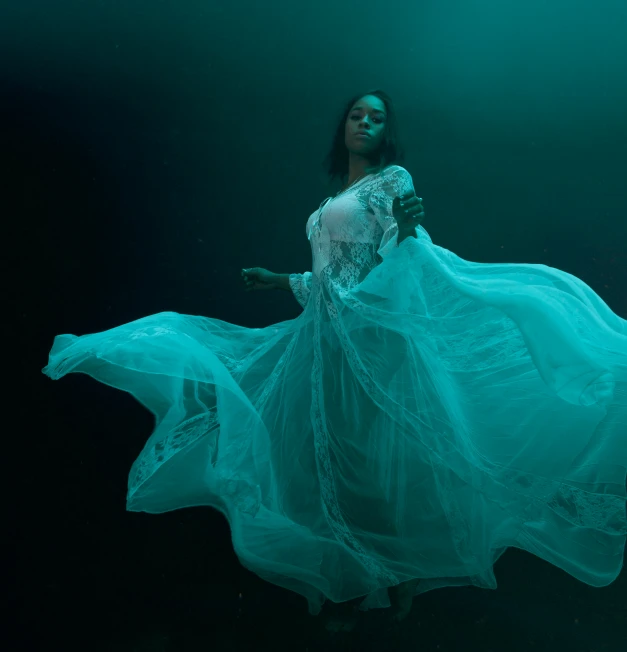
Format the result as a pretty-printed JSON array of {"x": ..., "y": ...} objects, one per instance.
[{"x": 151, "y": 149}]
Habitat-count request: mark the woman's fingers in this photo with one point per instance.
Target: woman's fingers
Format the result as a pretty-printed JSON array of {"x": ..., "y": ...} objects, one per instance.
[
  {"x": 251, "y": 281},
  {"x": 413, "y": 207},
  {"x": 249, "y": 284},
  {"x": 410, "y": 203}
]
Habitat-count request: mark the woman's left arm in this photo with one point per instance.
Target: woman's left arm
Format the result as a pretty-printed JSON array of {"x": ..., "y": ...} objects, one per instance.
[
  {"x": 396, "y": 207},
  {"x": 408, "y": 212}
]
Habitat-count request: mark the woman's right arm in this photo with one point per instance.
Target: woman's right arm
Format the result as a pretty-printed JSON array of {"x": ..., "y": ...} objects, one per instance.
[
  {"x": 257, "y": 278},
  {"x": 282, "y": 281}
]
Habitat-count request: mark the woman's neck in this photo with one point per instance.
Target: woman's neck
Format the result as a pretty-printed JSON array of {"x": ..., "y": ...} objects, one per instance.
[
  {"x": 358, "y": 167},
  {"x": 355, "y": 177}
]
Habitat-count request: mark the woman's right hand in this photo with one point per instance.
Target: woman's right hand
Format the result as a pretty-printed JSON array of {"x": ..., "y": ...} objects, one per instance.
[{"x": 257, "y": 278}]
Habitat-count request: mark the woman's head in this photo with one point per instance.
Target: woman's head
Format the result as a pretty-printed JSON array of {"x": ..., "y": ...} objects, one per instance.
[{"x": 373, "y": 113}]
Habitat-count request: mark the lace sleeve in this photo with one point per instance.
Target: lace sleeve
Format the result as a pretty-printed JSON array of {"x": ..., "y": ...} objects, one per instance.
[
  {"x": 394, "y": 181},
  {"x": 301, "y": 287}
]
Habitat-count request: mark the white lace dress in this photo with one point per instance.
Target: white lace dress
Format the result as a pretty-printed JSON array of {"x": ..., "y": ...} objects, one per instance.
[{"x": 423, "y": 414}]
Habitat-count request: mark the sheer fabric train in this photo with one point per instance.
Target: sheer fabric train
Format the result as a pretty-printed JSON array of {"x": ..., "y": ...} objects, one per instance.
[{"x": 423, "y": 414}]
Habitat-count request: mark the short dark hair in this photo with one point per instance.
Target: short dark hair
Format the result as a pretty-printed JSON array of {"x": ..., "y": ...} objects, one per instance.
[{"x": 390, "y": 152}]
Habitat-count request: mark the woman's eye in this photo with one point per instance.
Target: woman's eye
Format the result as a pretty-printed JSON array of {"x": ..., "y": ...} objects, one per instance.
[{"x": 377, "y": 120}]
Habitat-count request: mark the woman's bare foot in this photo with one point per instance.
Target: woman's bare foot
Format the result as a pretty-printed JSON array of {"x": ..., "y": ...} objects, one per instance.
[{"x": 401, "y": 597}]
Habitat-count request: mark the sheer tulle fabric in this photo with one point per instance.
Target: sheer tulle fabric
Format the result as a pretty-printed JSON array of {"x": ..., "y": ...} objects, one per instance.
[{"x": 423, "y": 414}]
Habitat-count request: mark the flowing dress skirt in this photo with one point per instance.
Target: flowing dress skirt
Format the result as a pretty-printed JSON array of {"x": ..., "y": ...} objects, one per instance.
[{"x": 413, "y": 426}]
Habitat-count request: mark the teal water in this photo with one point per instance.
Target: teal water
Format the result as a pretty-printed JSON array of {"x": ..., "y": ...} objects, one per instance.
[{"x": 150, "y": 151}]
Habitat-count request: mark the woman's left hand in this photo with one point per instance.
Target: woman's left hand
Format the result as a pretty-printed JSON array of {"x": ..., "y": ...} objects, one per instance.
[{"x": 408, "y": 211}]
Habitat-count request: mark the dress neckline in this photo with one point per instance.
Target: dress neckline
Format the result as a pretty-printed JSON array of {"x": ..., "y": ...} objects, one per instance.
[
  {"x": 354, "y": 184},
  {"x": 317, "y": 224}
]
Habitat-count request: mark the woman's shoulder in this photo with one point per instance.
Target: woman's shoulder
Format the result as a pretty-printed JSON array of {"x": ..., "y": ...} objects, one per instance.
[
  {"x": 393, "y": 175},
  {"x": 394, "y": 170}
]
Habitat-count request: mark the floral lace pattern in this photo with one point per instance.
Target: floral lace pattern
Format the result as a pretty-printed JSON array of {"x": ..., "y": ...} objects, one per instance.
[
  {"x": 183, "y": 435},
  {"x": 330, "y": 503},
  {"x": 301, "y": 287},
  {"x": 344, "y": 247}
]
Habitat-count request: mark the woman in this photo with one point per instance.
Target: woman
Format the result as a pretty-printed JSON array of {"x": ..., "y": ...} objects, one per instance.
[{"x": 423, "y": 414}]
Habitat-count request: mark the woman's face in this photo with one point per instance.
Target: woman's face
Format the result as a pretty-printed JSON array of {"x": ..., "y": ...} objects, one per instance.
[{"x": 367, "y": 116}]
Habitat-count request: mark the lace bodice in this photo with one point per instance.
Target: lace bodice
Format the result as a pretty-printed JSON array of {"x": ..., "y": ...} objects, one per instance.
[{"x": 348, "y": 232}]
